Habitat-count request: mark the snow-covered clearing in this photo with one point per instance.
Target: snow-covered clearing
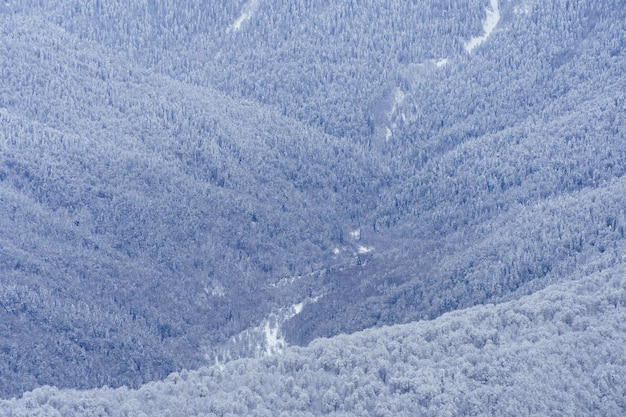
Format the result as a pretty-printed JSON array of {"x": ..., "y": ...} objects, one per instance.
[
  {"x": 398, "y": 99},
  {"x": 266, "y": 339},
  {"x": 274, "y": 343},
  {"x": 297, "y": 308},
  {"x": 442, "y": 62},
  {"x": 274, "y": 340},
  {"x": 364, "y": 249},
  {"x": 246, "y": 13},
  {"x": 490, "y": 23}
]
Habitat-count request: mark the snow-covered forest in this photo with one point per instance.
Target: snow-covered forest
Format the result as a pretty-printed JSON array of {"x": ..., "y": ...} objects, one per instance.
[{"x": 312, "y": 208}]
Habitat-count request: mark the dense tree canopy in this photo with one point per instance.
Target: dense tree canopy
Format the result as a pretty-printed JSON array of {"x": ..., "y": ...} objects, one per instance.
[{"x": 183, "y": 184}]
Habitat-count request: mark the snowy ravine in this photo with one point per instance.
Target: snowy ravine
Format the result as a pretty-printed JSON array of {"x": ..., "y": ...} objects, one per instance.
[
  {"x": 265, "y": 339},
  {"x": 490, "y": 23}
]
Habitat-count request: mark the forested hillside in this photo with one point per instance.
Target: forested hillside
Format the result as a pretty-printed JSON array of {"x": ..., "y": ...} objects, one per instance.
[
  {"x": 143, "y": 217},
  {"x": 513, "y": 174},
  {"x": 334, "y": 65},
  {"x": 560, "y": 351},
  {"x": 182, "y": 185}
]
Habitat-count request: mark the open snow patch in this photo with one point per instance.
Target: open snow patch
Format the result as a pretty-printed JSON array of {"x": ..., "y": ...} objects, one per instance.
[
  {"x": 297, "y": 308},
  {"x": 364, "y": 249},
  {"x": 388, "y": 133},
  {"x": 490, "y": 23},
  {"x": 274, "y": 342},
  {"x": 263, "y": 340},
  {"x": 246, "y": 13},
  {"x": 398, "y": 99}
]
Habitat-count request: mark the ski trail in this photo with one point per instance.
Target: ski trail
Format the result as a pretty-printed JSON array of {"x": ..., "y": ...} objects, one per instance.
[{"x": 490, "y": 23}]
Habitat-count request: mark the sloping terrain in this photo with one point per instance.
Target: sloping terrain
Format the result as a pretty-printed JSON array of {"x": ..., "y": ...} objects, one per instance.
[
  {"x": 141, "y": 216},
  {"x": 560, "y": 351},
  {"x": 182, "y": 184},
  {"x": 332, "y": 65},
  {"x": 513, "y": 176}
]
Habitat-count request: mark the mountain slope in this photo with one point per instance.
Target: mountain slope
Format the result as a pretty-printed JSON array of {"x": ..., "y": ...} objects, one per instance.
[
  {"x": 559, "y": 351},
  {"x": 131, "y": 199},
  {"x": 177, "y": 179},
  {"x": 331, "y": 65},
  {"x": 510, "y": 175}
]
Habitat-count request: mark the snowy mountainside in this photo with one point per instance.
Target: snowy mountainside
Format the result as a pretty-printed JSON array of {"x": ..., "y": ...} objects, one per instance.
[
  {"x": 175, "y": 178},
  {"x": 559, "y": 351},
  {"x": 513, "y": 176},
  {"x": 328, "y": 64},
  {"x": 127, "y": 196}
]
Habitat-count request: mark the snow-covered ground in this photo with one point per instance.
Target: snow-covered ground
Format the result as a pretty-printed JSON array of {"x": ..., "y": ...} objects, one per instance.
[
  {"x": 364, "y": 249},
  {"x": 266, "y": 339},
  {"x": 297, "y": 308},
  {"x": 274, "y": 340},
  {"x": 248, "y": 10},
  {"x": 490, "y": 23},
  {"x": 274, "y": 343},
  {"x": 398, "y": 99}
]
